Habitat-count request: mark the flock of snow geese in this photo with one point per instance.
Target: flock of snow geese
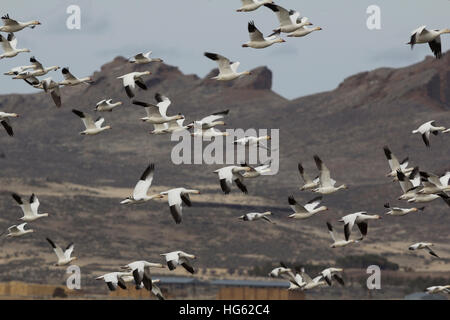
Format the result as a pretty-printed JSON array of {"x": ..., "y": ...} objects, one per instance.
[{"x": 417, "y": 186}]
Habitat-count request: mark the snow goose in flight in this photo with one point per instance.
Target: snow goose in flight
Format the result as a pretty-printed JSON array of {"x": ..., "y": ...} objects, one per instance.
[
  {"x": 438, "y": 289},
  {"x": 130, "y": 80},
  {"x": 257, "y": 171},
  {"x": 306, "y": 211},
  {"x": 156, "y": 290},
  {"x": 179, "y": 258},
  {"x": 227, "y": 70},
  {"x": 426, "y": 129},
  {"x": 140, "y": 190},
  {"x": 285, "y": 272},
  {"x": 18, "y": 230},
  {"x": 230, "y": 174},
  {"x": 326, "y": 184},
  {"x": 39, "y": 70},
  {"x": 411, "y": 187},
  {"x": 338, "y": 243},
  {"x": 433, "y": 183},
  {"x": 142, "y": 58},
  {"x": 92, "y": 127},
  {"x": 171, "y": 126},
  {"x": 423, "y": 245},
  {"x": 10, "y": 25},
  {"x": 71, "y": 80},
  {"x": 361, "y": 219},
  {"x": 4, "y": 120},
  {"x": 257, "y": 39},
  {"x": 396, "y": 211},
  {"x": 106, "y": 105},
  {"x": 211, "y": 120},
  {"x": 252, "y": 140},
  {"x": 48, "y": 85},
  {"x": 30, "y": 210},
  {"x": 409, "y": 183},
  {"x": 115, "y": 279},
  {"x": 395, "y": 165},
  {"x": 16, "y": 70},
  {"x": 253, "y": 216},
  {"x": 9, "y": 46},
  {"x": 141, "y": 272},
  {"x": 303, "y": 31},
  {"x": 176, "y": 197},
  {"x": 289, "y": 20},
  {"x": 432, "y": 37},
  {"x": 64, "y": 257},
  {"x": 208, "y": 133},
  {"x": 174, "y": 125},
  {"x": 252, "y": 5},
  {"x": 308, "y": 182},
  {"x": 157, "y": 113},
  {"x": 308, "y": 283},
  {"x": 332, "y": 273}
]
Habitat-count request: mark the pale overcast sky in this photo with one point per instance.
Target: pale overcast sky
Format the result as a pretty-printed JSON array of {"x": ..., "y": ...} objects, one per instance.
[{"x": 180, "y": 31}]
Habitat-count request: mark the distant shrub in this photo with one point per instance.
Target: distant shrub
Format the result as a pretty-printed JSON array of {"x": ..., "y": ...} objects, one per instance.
[{"x": 59, "y": 293}]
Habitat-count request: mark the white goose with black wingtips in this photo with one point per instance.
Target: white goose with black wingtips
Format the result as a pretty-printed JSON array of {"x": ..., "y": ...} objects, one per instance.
[
  {"x": 290, "y": 20},
  {"x": 141, "y": 272},
  {"x": 9, "y": 46},
  {"x": 230, "y": 174},
  {"x": 143, "y": 58},
  {"x": 64, "y": 257},
  {"x": 30, "y": 209},
  {"x": 423, "y": 245},
  {"x": 106, "y": 105},
  {"x": 176, "y": 197},
  {"x": 253, "y": 216},
  {"x": 179, "y": 258},
  {"x": 426, "y": 129},
  {"x": 432, "y": 37},
  {"x": 361, "y": 219},
  {"x": 252, "y": 5},
  {"x": 11, "y": 25},
  {"x": 257, "y": 39},
  {"x": 227, "y": 69},
  {"x": 157, "y": 114},
  {"x": 141, "y": 189},
  {"x": 326, "y": 184},
  {"x": 92, "y": 127},
  {"x": 71, "y": 80},
  {"x": 5, "y": 122},
  {"x": 130, "y": 80},
  {"x": 306, "y": 211}
]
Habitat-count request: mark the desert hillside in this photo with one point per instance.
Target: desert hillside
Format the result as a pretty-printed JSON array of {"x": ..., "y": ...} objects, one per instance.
[{"x": 80, "y": 180}]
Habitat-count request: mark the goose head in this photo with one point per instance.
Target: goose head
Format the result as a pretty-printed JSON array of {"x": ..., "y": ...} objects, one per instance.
[
  {"x": 317, "y": 29},
  {"x": 245, "y": 45}
]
